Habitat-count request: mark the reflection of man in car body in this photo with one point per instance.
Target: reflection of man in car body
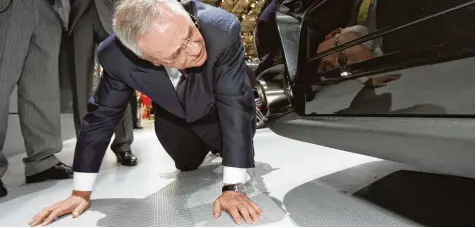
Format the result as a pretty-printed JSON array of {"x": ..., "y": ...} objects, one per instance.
[
  {"x": 356, "y": 53},
  {"x": 353, "y": 54}
]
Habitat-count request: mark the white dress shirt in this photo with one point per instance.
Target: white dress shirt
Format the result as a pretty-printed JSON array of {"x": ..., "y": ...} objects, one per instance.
[{"x": 231, "y": 175}]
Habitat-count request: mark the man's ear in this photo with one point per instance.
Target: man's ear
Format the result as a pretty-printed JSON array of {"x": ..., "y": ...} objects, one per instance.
[{"x": 333, "y": 33}]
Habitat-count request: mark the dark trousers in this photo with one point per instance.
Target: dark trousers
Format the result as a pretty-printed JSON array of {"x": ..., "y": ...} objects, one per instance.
[
  {"x": 80, "y": 47},
  {"x": 134, "y": 107},
  {"x": 187, "y": 144}
]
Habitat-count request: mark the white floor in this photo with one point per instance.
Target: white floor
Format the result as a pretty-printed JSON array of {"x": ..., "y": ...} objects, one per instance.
[{"x": 297, "y": 184}]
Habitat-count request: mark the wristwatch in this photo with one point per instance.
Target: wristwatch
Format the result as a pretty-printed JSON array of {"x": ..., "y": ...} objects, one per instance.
[{"x": 238, "y": 188}]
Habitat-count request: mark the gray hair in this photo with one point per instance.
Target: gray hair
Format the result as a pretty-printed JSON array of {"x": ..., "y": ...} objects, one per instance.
[
  {"x": 362, "y": 31},
  {"x": 133, "y": 18}
]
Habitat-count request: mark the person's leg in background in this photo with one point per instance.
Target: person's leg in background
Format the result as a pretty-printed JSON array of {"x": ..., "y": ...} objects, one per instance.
[
  {"x": 124, "y": 133},
  {"x": 13, "y": 49},
  {"x": 123, "y": 138},
  {"x": 39, "y": 99},
  {"x": 134, "y": 110},
  {"x": 3, "y": 169},
  {"x": 80, "y": 47},
  {"x": 86, "y": 35},
  {"x": 140, "y": 113},
  {"x": 29, "y": 45}
]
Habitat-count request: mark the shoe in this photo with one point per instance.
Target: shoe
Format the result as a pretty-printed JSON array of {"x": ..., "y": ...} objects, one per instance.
[
  {"x": 58, "y": 172},
  {"x": 126, "y": 158},
  {"x": 138, "y": 127},
  {"x": 216, "y": 153},
  {"x": 3, "y": 189}
]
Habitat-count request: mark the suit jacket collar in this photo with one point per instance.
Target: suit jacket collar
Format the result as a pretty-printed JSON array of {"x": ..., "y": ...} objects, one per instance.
[{"x": 190, "y": 7}]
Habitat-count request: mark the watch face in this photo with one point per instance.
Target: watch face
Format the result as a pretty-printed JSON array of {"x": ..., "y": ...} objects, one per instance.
[{"x": 241, "y": 188}]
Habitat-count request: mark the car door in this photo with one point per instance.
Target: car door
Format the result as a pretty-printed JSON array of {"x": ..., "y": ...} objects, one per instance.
[{"x": 392, "y": 79}]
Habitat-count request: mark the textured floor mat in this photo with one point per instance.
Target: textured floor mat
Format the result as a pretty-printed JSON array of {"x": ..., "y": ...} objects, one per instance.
[{"x": 187, "y": 201}]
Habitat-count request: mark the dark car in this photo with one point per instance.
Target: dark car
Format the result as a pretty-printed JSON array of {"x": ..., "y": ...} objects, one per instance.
[{"x": 392, "y": 79}]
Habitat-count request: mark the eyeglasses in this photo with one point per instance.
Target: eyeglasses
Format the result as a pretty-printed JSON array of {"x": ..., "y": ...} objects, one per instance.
[
  {"x": 341, "y": 59},
  {"x": 185, "y": 43}
]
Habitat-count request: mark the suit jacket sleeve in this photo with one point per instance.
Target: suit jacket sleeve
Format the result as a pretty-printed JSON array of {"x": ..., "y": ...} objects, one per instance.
[
  {"x": 105, "y": 110},
  {"x": 235, "y": 103}
]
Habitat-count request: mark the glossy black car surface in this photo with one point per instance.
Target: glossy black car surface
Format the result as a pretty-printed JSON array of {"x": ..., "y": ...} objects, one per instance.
[{"x": 398, "y": 86}]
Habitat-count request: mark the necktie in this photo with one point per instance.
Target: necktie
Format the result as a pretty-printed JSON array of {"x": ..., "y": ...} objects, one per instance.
[
  {"x": 179, "y": 83},
  {"x": 181, "y": 90}
]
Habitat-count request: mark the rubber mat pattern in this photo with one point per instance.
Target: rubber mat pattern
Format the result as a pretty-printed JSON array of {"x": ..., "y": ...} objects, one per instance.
[{"x": 188, "y": 201}]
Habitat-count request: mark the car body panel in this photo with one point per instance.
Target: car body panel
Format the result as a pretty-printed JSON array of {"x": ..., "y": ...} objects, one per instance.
[
  {"x": 425, "y": 117},
  {"x": 439, "y": 89},
  {"x": 444, "y": 145}
]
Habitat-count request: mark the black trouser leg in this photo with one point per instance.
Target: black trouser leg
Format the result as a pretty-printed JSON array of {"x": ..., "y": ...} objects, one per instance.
[
  {"x": 135, "y": 121},
  {"x": 186, "y": 149}
]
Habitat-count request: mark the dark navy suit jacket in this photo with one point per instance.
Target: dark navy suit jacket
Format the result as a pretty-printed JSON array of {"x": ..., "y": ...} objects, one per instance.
[{"x": 220, "y": 86}]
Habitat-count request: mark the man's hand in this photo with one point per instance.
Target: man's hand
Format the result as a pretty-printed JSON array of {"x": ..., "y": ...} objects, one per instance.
[
  {"x": 76, "y": 204},
  {"x": 238, "y": 205}
]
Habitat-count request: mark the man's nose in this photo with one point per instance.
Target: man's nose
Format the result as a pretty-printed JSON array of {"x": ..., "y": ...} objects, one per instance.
[{"x": 193, "y": 48}]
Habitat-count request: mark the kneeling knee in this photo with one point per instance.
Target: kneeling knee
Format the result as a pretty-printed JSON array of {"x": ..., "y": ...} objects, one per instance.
[{"x": 187, "y": 168}]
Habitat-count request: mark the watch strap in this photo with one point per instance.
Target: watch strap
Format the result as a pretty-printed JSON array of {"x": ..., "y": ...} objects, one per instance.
[{"x": 231, "y": 187}]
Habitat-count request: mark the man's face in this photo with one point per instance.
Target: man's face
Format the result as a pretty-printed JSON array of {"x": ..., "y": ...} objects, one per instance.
[
  {"x": 175, "y": 42},
  {"x": 353, "y": 54}
]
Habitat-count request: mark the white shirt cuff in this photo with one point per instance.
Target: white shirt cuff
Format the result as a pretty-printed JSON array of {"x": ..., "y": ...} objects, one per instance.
[
  {"x": 84, "y": 181},
  {"x": 232, "y": 175}
]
